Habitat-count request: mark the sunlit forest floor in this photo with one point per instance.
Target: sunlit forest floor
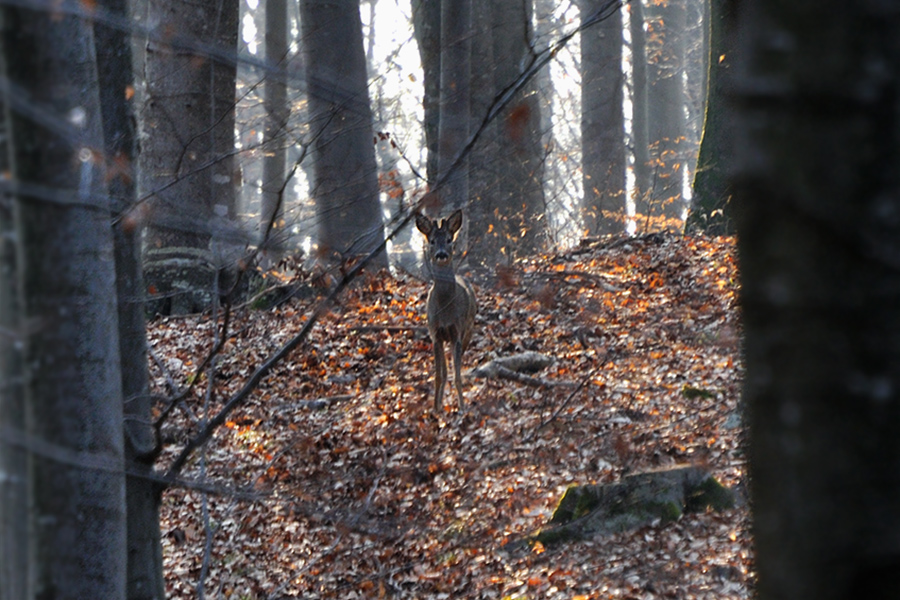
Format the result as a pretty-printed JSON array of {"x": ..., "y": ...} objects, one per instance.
[{"x": 366, "y": 494}]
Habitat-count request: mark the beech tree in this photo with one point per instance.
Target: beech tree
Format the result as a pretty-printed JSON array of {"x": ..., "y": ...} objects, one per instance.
[
  {"x": 345, "y": 189},
  {"x": 115, "y": 78},
  {"x": 277, "y": 114},
  {"x": 14, "y": 546},
  {"x": 454, "y": 130},
  {"x": 508, "y": 215},
  {"x": 187, "y": 148},
  {"x": 711, "y": 209},
  {"x": 665, "y": 112},
  {"x": 640, "y": 136},
  {"x": 602, "y": 123},
  {"x": 817, "y": 208},
  {"x": 71, "y": 382}
]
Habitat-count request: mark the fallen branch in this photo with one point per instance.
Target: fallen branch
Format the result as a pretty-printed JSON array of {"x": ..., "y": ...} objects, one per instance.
[{"x": 526, "y": 362}]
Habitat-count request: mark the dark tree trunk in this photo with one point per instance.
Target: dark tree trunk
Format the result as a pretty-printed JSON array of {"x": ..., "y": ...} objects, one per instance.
[
  {"x": 602, "y": 124},
  {"x": 348, "y": 205},
  {"x": 456, "y": 53},
  {"x": 639, "y": 127},
  {"x": 114, "y": 66},
  {"x": 485, "y": 238},
  {"x": 817, "y": 209},
  {"x": 72, "y": 381},
  {"x": 14, "y": 548},
  {"x": 711, "y": 210},
  {"x": 427, "y": 23},
  {"x": 275, "y": 139},
  {"x": 187, "y": 152},
  {"x": 512, "y": 224},
  {"x": 666, "y": 118}
]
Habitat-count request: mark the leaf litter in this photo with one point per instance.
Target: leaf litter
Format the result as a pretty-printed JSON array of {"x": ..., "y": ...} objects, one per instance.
[{"x": 336, "y": 480}]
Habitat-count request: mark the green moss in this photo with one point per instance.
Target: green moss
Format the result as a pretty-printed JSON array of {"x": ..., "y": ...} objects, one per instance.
[
  {"x": 666, "y": 511},
  {"x": 692, "y": 393},
  {"x": 575, "y": 503},
  {"x": 557, "y": 535},
  {"x": 710, "y": 494}
]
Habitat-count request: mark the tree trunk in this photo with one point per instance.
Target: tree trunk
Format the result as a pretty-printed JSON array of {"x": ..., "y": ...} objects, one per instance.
[
  {"x": 711, "y": 210},
  {"x": 274, "y": 141},
  {"x": 602, "y": 124},
  {"x": 817, "y": 209},
  {"x": 516, "y": 200},
  {"x": 72, "y": 385},
  {"x": 348, "y": 206},
  {"x": 640, "y": 135},
  {"x": 456, "y": 53},
  {"x": 187, "y": 151},
  {"x": 666, "y": 117},
  {"x": 485, "y": 241},
  {"x": 114, "y": 65},
  {"x": 427, "y": 23},
  {"x": 14, "y": 544}
]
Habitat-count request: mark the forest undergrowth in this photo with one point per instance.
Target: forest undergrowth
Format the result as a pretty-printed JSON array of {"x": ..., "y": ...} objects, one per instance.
[{"x": 335, "y": 479}]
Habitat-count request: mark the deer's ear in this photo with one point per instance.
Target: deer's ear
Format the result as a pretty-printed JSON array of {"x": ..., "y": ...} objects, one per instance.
[
  {"x": 424, "y": 224},
  {"x": 454, "y": 221}
]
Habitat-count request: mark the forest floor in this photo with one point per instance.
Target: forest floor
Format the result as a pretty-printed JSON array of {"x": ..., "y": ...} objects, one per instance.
[{"x": 369, "y": 494}]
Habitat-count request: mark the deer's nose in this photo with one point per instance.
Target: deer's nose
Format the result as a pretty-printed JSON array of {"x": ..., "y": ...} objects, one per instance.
[{"x": 441, "y": 255}]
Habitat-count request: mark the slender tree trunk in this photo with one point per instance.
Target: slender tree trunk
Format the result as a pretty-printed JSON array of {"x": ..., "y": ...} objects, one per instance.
[
  {"x": 711, "y": 211},
  {"x": 817, "y": 208},
  {"x": 72, "y": 385},
  {"x": 519, "y": 194},
  {"x": 114, "y": 65},
  {"x": 639, "y": 127},
  {"x": 485, "y": 236},
  {"x": 456, "y": 52},
  {"x": 348, "y": 205},
  {"x": 666, "y": 113},
  {"x": 427, "y": 24},
  {"x": 277, "y": 114},
  {"x": 14, "y": 543},
  {"x": 602, "y": 124}
]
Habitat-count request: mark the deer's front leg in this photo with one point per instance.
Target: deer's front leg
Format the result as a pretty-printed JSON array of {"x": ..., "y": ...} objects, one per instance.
[
  {"x": 440, "y": 373},
  {"x": 457, "y": 371}
]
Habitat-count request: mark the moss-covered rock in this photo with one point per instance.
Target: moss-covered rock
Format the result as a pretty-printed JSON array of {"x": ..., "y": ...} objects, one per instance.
[{"x": 653, "y": 497}]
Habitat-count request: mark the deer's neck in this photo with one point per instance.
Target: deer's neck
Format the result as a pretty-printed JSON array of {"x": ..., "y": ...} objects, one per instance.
[{"x": 444, "y": 285}]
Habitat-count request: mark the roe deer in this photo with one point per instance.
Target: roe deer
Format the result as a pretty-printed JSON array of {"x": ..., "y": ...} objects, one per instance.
[{"x": 451, "y": 305}]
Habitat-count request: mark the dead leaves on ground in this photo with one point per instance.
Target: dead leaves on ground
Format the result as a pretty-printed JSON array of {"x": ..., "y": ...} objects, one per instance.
[{"x": 372, "y": 496}]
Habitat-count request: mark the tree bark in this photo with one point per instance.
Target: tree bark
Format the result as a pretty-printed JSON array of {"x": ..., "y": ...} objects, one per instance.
[
  {"x": 639, "y": 126},
  {"x": 72, "y": 381},
  {"x": 114, "y": 66},
  {"x": 346, "y": 193},
  {"x": 427, "y": 23},
  {"x": 14, "y": 544},
  {"x": 711, "y": 210},
  {"x": 602, "y": 124},
  {"x": 817, "y": 208},
  {"x": 456, "y": 53},
  {"x": 512, "y": 225},
  {"x": 277, "y": 115},
  {"x": 666, "y": 118},
  {"x": 187, "y": 152}
]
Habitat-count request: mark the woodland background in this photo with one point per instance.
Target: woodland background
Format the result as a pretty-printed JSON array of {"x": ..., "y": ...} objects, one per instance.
[{"x": 214, "y": 367}]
